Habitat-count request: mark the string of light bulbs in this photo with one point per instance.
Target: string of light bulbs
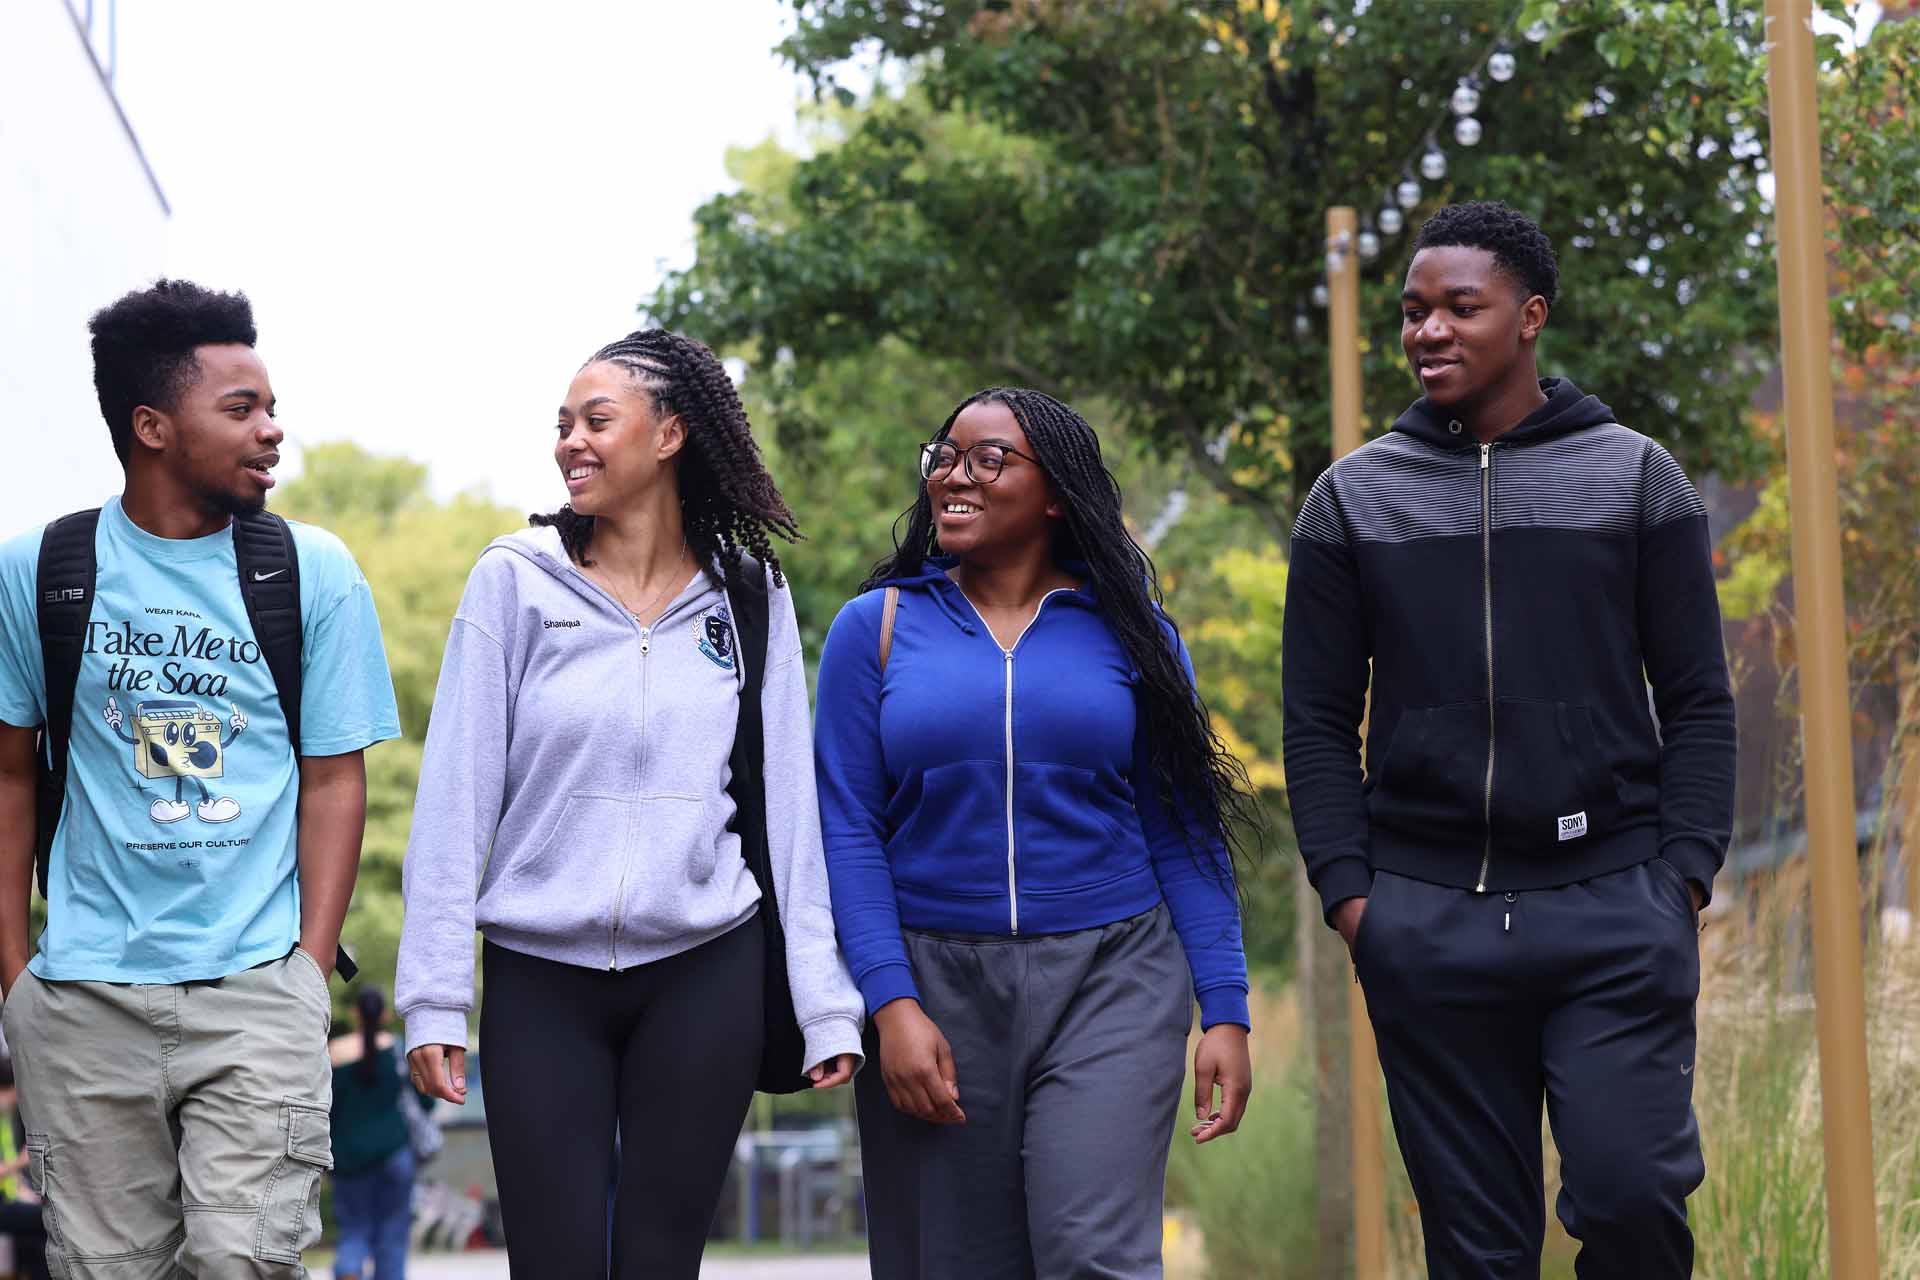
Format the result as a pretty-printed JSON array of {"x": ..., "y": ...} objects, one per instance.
[{"x": 1498, "y": 64}]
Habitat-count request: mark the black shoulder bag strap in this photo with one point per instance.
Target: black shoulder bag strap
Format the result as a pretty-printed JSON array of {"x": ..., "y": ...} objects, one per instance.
[
  {"x": 63, "y": 591},
  {"x": 269, "y": 567},
  {"x": 781, "y": 1069}
]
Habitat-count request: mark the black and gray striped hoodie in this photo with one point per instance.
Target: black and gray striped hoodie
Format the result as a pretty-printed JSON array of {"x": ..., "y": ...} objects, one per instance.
[{"x": 1516, "y": 601}]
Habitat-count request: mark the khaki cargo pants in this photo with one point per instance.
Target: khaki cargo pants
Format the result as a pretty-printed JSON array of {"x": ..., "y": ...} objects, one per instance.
[{"x": 177, "y": 1130}]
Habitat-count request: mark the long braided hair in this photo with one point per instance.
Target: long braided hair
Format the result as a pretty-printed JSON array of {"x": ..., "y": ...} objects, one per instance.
[
  {"x": 728, "y": 502},
  {"x": 1202, "y": 783}
]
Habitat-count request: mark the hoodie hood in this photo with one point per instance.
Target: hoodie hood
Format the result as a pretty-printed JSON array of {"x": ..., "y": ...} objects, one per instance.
[
  {"x": 1567, "y": 409},
  {"x": 542, "y": 546},
  {"x": 933, "y": 578}
]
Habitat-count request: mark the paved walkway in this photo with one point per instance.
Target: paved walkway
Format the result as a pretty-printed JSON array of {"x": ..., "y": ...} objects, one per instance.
[{"x": 492, "y": 1265}]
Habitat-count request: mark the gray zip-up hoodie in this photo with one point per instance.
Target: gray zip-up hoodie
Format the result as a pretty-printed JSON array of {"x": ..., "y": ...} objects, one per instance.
[{"x": 573, "y": 801}]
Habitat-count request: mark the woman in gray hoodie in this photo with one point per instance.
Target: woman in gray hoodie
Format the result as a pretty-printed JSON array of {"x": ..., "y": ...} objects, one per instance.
[{"x": 577, "y": 804}]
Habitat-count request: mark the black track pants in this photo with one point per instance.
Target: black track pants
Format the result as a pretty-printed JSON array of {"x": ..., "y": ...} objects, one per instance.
[
  {"x": 1487, "y": 1003},
  {"x": 670, "y": 1051}
]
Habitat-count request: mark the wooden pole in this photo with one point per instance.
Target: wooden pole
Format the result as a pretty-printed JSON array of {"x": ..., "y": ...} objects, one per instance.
[
  {"x": 1363, "y": 1057},
  {"x": 1820, "y": 635}
]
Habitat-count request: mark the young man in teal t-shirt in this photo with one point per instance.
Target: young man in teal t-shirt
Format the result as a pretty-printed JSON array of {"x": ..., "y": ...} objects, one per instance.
[{"x": 169, "y": 1028}]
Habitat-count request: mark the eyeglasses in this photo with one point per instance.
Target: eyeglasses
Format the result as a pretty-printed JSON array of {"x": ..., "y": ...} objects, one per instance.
[{"x": 983, "y": 462}]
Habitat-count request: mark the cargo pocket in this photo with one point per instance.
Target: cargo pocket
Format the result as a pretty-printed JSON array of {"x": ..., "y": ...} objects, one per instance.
[
  {"x": 289, "y": 1218},
  {"x": 40, "y": 1177}
]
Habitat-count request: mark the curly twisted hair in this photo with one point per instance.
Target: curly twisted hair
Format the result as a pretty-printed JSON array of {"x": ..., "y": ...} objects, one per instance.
[
  {"x": 143, "y": 348},
  {"x": 728, "y": 502},
  {"x": 1202, "y": 783},
  {"x": 1518, "y": 245}
]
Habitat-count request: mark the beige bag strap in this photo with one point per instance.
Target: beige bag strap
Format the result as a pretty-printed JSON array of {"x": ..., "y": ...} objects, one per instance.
[{"x": 890, "y": 607}]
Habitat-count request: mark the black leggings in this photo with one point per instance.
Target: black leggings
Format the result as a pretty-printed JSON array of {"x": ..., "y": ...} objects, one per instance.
[{"x": 668, "y": 1050}]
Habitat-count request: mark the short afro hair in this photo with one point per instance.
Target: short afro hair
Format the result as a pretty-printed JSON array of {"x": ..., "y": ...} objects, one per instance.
[
  {"x": 1517, "y": 243},
  {"x": 143, "y": 348}
]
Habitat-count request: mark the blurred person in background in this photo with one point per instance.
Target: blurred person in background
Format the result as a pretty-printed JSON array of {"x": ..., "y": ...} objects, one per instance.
[
  {"x": 373, "y": 1155},
  {"x": 20, "y": 1216},
  {"x": 1028, "y": 822},
  {"x": 596, "y": 780}
]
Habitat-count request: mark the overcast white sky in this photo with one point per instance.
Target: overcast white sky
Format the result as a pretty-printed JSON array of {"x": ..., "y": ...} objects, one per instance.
[{"x": 440, "y": 214}]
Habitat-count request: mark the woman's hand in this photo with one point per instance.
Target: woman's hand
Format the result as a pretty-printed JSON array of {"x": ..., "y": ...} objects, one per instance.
[
  {"x": 832, "y": 1073},
  {"x": 1221, "y": 1060},
  {"x": 917, "y": 1064},
  {"x": 440, "y": 1071}
]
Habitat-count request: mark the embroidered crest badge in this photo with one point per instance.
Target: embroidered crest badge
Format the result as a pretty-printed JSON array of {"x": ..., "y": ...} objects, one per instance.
[{"x": 715, "y": 636}]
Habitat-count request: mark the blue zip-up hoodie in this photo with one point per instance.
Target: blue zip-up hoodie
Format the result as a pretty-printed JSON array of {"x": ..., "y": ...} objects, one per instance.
[{"x": 978, "y": 790}]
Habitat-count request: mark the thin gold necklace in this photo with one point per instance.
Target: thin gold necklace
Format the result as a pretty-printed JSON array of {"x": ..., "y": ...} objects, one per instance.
[{"x": 638, "y": 615}]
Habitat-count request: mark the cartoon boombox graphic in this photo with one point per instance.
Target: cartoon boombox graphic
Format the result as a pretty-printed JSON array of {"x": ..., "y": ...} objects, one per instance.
[{"x": 176, "y": 739}]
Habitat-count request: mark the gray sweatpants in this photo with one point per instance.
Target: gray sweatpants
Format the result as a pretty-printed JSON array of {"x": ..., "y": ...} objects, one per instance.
[
  {"x": 177, "y": 1129},
  {"x": 1070, "y": 1052}
]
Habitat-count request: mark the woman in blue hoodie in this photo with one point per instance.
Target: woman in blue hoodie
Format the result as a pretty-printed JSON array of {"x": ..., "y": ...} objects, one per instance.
[
  {"x": 1028, "y": 823},
  {"x": 581, "y": 802}
]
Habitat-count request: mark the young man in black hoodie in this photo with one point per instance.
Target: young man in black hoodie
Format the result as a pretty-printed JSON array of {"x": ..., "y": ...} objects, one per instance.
[{"x": 1520, "y": 870}]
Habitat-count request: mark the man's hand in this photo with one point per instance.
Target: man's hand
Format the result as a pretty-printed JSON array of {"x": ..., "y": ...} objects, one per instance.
[
  {"x": 1346, "y": 919},
  {"x": 1221, "y": 1061},
  {"x": 832, "y": 1073},
  {"x": 440, "y": 1071},
  {"x": 917, "y": 1064},
  {"x": 1699, "y": 898}
]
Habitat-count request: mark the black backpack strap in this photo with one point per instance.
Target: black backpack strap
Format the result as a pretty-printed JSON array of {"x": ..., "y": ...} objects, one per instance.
[
  {"x": 63, "y": 592},
  {"x": 784, "y": 1044},
  {"x": 269, "y": 566}
]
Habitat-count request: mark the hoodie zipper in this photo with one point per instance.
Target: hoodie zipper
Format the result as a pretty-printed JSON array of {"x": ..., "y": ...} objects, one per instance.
[
  {"x": 1006, "y": 659},
  {"x": 1486, "y": 602},
  {"x": 626, "y": 863},
  {"x": 646, "y": 684}
]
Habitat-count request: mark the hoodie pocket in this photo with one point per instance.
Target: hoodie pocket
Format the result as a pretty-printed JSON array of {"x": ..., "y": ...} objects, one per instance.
[
  {"x": 953, "y": 841},
  {"x": 570, "y": 877},
  {"x": 1550, "y": 786},
  {"x": 1433, "y": 775},
  {"x": 1069, "y": 840},
  {"x": 678, "y": 832}
]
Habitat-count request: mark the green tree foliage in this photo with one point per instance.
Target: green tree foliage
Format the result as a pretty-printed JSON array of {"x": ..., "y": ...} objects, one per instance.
[
  {"x": 841, "y": 443},
  {"x": 415, "y": 553},
  {"x": 1129, "y": 207}
]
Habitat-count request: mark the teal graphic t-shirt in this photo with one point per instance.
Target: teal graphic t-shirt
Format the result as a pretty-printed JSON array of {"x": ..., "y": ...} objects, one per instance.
[{"x": 175, "y": 857}]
